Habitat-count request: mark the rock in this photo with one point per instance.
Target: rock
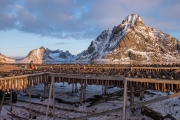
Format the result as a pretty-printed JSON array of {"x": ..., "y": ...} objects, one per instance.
[
  {"x": 77, "y": 105},
  {"x": 33, "y": 117}
]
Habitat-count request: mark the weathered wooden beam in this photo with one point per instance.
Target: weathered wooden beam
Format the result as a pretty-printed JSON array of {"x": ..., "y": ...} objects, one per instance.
[
  {"x": 81, "y": 95},
  {"x": 124, "y": 99},
  {"x": 132, "y": 96},
  {"x": 29, "y": 101},
  {"x": 53, "y": 97},
  {"x": 44, "y": 92},
  {"x": 21, "y": 76},
  {"x": 11, "y": 100},
  {"x": 167, "y": 81},
  {"x": 84, "y": 92},
  {"x": 50, "y": 91},
  {"x": 119, "y": 78},
  {"x": 141, "y": 93},
  {"x": 2, "y": 101}
]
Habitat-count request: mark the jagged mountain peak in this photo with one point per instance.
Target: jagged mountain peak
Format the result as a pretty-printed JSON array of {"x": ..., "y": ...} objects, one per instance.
[
  {"x": 133, "y": 19},
  {"x": 67, "y": 51},
  {"x": 132, "y": 40},
  {"x": 35, "y": 55},
  {"x": 47, "y": 49},
  {"x": 42, "y": 47}
]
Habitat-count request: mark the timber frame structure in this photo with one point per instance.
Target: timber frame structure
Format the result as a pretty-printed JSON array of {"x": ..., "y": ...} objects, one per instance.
[{"x": 24, "y": 81}]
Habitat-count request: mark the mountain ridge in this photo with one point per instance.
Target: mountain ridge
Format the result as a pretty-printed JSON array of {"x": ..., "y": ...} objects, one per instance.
[
  {"x": 129, "y": 41},
  {"x": 42, "y": 55},
  {"x": 132, "y": 40},
  {"x": 5, "y": 59}
]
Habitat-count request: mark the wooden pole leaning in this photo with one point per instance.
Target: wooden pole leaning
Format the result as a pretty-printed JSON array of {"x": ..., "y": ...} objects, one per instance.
[
  {"x": 11, "y": 100},
  {"x": 53, "y": 98},
  {"x": 2, "y": 101},
  {"x": 81, "y": 94},
  {"x": 72, "y": 87},
  {"x": 50, "y": 91},
  {"x": 84, "y": 91},
  {"x": 124, "y": 99},
  {"x": 30, "y": 101},
  {"x": 44, "y": 92},
  {"x": 132, "y": 96}
]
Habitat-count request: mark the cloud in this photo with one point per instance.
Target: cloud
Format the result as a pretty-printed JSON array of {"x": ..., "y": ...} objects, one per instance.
[
  {"x": 81, "y": 19},
  {"x": 62, "y": 43}
]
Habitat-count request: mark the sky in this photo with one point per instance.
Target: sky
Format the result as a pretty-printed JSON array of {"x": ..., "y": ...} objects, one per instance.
[{"x": 73, "y": 24}]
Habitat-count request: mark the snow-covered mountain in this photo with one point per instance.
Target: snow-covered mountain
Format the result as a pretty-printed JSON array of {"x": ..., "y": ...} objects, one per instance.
[
  {"x": 132, "y": 40},
  {"x": 35, "y": 55},
  {"x": 41, "y": 55},
  {"x": 5, "y": 59},
  {"x": 58, "y": 55}
]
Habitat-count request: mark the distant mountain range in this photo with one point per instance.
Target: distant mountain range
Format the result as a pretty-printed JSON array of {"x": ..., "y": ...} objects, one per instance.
[
  {"x": 42, "y": 55},
  {"x": 131, "y": 40}
]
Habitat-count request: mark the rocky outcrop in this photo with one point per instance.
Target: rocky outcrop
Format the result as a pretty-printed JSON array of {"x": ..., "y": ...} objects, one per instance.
[
  {"x": 2, "y": 60},
  {"x": 132, "y": 40},
  {"x": 35, "y": 55}
]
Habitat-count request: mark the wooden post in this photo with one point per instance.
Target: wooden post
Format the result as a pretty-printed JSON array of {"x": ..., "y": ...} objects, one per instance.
[
  {"x": 53, "y": 98},
  {"x": 124, "y": 99},
  {"x": 84, "y": 92},
  {"x": 81, "y": 94},
  {"x": 158, "y": 88},
  {"x": 102, "y": 89},
  {"x": 11, "y": 100},
  {"x": 52, "y": 88},
  {"x": 47, "y": 109},
  {"x": 162, "y": 87},
  {"x": 155, "y": 86},
  {"x": 2, "y": 101},
  {"x": 29, "y": 101},
  {"x": 76, "y": 88},
  {"x": 132, "y": 96},
  {"x": 44, "y": 91},
  {"x": 172, "y": 89},
  {"x": 73, "y": 87},
  {"x": 105, "y": 89},
  {"x": 141, "y": 93},
  {"x": 48, "y": 88},
  {"x": 136, "y": 84}
]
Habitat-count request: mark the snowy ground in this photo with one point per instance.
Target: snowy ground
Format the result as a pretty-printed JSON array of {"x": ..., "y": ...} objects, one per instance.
[{"x": 67, "y": 111}]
